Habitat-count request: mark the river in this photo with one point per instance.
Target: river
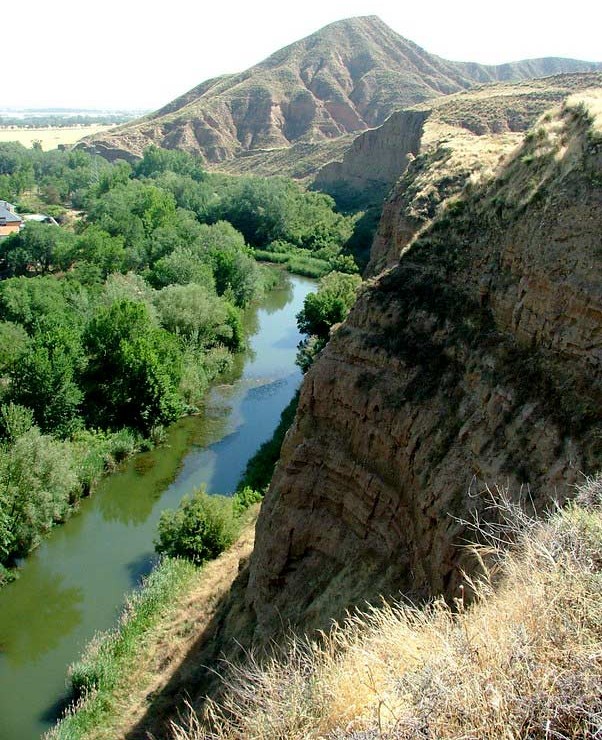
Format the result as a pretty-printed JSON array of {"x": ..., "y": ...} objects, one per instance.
[{"x": 73, "y": 585}]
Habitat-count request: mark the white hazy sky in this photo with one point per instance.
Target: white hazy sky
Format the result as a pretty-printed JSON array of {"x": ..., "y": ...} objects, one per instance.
[{"x": 134, "y": 54}]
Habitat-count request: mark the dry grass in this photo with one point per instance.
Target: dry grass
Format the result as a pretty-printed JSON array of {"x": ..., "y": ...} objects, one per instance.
[
  {"x": 50, "y": 137},
  {"x": 523, "y": 661},
  {"x": 591, "y": 101}
]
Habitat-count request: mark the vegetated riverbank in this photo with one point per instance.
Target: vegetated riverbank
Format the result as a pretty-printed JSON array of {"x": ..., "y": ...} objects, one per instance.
[
  {"x": 44, "y": 476},
  {"x": 162, "y": 619},
  {"x": 73, "y": 585},
  {"x": 157, "y": 634},
  {"x": 117, "y": 323}
]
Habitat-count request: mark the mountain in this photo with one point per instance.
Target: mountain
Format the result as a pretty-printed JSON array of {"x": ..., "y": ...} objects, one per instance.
[{"x": 345, "y": 78}]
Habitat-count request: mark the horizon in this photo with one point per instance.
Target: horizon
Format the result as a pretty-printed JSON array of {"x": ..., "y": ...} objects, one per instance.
[{"x": 150, "y": 63}]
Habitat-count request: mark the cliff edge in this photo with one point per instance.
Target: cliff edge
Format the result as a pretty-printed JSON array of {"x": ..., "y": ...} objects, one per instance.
[{"x": 476, "y": 360}]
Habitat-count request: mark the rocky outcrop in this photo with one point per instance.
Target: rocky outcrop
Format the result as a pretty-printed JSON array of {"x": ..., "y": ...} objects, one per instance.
[
  {"x": 475, "y": 361},
  {"x": 376, "y": 158},
  {"x": 345, "y": 78},
  {"x": 463, "y": 140}
]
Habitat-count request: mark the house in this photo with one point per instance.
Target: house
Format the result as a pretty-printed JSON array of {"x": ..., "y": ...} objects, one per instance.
[{"x": 10, "y": 222}]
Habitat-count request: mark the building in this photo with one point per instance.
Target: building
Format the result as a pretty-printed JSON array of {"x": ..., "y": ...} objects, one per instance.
[
  {"x": 10, "y": 222},
  {"x": 41, "y": 218}
]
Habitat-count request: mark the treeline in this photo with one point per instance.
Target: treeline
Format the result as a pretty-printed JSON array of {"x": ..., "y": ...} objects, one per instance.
[
  {"x": 59, "y": 121},
  {"x": 113, "y": 325}
]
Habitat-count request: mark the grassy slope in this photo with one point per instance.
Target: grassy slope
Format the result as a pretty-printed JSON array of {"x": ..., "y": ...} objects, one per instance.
[{"x": 523, "y": 660}]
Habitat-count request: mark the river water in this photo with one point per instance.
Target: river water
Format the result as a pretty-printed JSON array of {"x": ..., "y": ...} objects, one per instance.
[{"x": 73, "y": 585}]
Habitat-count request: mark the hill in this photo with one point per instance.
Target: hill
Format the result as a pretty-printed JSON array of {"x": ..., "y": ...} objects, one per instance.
[{"x": 343, "y": 79}]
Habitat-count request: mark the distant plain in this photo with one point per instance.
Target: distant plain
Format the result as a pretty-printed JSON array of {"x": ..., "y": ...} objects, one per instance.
[{"x": 50, "y": 136}]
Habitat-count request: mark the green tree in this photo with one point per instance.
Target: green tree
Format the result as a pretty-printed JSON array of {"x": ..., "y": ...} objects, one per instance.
[
  {"x": 182, "y": 266},
  {"x": 133, "y": 369},
  {"x": 46, "y": 379},
  {"x": 37, "y": 481},
  {"x": 98, "y": 247},
  {"x": 156, "y": 161},
  {"x": 330, "y": 305},
  {"x": 36, "y": 249},
  {"x": 199, "y": 316},
  {"x": 236, "y": 273},
  {"x": 13, "y": 344}
]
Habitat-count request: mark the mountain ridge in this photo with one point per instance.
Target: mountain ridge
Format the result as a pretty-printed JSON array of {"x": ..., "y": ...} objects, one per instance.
[{"x": 345, "y": 78}]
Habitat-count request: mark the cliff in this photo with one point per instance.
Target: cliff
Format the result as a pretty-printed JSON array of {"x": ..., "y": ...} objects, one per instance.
[
  {"x": 476, "y": 360},
  {"x": 456, "y": 137},
  {"x": 343, "y": 79}
]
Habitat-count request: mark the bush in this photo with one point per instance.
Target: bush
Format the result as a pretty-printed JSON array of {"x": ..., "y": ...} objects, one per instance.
[
  {"x": 200, "y": 529},
  {"x": 244, "y": 499}
]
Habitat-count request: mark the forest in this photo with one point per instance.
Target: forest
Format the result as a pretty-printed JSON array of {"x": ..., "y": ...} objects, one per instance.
[{"x": 114, "y": 322}]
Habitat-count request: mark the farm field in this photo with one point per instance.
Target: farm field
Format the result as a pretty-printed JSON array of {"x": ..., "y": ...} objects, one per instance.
[{"x": 50, "y": 137}]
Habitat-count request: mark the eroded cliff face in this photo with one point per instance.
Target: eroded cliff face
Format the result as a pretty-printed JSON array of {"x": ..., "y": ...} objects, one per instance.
[
  {"x": 377, "y": 157},
  {"x": 464, "y": 139},
  {"x": 475, "y": 361}
]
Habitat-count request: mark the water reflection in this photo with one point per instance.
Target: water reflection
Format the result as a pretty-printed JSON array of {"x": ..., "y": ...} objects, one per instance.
[
  {"x": 279, "y": 298},
  {"x": 289, "y": 341},
  {"x": 224, "y": 462},
  {"x": 140, "y": 567},
  {"x": 53, "y": 610}
]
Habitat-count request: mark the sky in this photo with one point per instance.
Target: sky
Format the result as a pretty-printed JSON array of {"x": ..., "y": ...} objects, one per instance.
[{"x": 140, "y": 55}]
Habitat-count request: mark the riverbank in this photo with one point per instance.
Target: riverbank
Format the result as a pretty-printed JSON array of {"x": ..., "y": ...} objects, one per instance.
[{"x": 166, "y": 647}]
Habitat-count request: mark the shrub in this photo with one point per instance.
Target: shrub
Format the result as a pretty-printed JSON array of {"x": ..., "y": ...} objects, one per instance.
[
  {"x": 244, "y": 499},
  {"x": 200, "y": 529}
]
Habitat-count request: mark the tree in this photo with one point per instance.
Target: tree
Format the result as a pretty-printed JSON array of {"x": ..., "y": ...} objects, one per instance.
[
  {"x": 13, "y": 344},
  {"x": 37, "y": 480},
  {"x": 156, "y": 161},
  {"x": 181, "y": 267},
  {"x": 236, "y": 273},
  {"x": 133, "y": 369},
  {"x": 197, "y": 315},
  {"x": 98, "y": 247},
  {"x": 46, "y": 379},
  {"x": 36, "y": 249},
  {"x": 330, "y": 305}
]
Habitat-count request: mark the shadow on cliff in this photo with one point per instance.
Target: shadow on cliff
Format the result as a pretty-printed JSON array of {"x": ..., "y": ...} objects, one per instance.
[{"x": 225, "y": 637}]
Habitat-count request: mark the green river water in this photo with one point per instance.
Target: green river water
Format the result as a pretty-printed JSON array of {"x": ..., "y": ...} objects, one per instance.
[{"x": 73, "y": 585}]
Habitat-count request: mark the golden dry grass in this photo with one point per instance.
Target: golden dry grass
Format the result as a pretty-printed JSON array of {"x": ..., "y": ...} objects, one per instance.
[
  {"x": 523, "y": 661},
  {"x": 50, "y": 137}
]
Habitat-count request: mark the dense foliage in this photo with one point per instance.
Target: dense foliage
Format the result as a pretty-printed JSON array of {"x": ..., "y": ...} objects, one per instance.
[
  {"x": 200, "y": 529},
  {"x": 330, "y": 305},
  {"x": 120, "y": 317}
]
